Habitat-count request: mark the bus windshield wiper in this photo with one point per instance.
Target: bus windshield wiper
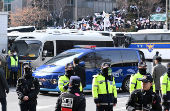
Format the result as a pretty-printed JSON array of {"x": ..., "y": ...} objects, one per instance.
[{"x": 52, "y": 64}]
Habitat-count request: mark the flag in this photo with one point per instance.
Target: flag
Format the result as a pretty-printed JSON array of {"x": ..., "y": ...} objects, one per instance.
[
  {"x": 158, "y": 9},
  {"x": 104, "y": 14}
]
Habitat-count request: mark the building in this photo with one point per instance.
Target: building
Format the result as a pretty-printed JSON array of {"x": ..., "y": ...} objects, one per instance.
[{"x": 85, "y": 8}]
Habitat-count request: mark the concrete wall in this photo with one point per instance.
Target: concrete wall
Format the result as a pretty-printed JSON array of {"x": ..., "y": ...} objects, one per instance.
[
  {"x": 100, "y": 6},
  {"x": 3, "y": 30},
  {"x": 83, "y": 12}
]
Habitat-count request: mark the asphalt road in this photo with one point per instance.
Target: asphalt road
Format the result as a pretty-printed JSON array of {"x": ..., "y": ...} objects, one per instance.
[{"x": 46, "y": 102}]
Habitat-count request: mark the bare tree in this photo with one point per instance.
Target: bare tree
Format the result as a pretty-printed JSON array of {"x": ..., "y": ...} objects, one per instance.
[
  {"x": 28, "y": 16},
  {"x": 121, "y": 4},
  {"x": 145, "y": 7},
  {"x": 60, "y": 6}
]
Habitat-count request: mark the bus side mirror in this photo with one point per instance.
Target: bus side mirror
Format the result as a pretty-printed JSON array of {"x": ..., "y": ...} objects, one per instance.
[
  {"x": 3, "y": 51},
  {"x": 82, "y": 64},
  {"x": 44, "y": 54}
]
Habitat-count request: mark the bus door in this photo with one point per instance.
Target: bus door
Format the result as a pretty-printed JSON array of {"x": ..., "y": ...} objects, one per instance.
[
  {"x": 48, "y": 51},
  {"x": 121, "y": 41}
]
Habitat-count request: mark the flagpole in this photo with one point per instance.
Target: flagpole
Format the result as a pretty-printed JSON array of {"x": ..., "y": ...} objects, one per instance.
[
  {"x": 75, "y": 14},
  {"x": 167, "y": 14}
]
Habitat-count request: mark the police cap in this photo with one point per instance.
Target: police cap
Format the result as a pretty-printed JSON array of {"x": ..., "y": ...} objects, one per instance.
[
  {"x": 142, "y": 64},
  {"x": 12, "y": 50},
  {"x": 105, "y": 65},
  {"x": 75, "y": 81},
  {"x": 147, "y": 78},
  {"x": 68, "y": 65}
]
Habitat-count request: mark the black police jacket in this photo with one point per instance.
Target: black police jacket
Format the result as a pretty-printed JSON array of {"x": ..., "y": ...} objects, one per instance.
[
  {"x": 71, "y": 100},
  {"x": 27, "y": 87},
  {"x": 144, "y": 100}
]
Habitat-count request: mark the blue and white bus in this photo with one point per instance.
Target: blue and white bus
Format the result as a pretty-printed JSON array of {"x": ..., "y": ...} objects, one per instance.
[
  {"x": 124, "y": 62},
  {"x": 40, "y": 46},
  {"x": 150, "y": 41}
]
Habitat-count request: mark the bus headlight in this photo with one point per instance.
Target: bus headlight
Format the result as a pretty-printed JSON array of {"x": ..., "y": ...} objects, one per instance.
[{"x": 53, "y": 81}]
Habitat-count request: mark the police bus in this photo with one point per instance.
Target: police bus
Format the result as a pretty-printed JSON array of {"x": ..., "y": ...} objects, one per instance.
[
  {"x": 123, "y": 62},
  {"x": 40, "y": 46},
  {"x": 149, "y": 41}
]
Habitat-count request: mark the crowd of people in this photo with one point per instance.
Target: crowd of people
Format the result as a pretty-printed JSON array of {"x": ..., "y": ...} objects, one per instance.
[{"x": 114, "y": 24}]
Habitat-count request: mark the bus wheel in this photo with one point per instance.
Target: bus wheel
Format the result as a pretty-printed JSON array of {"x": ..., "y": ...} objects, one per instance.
[
  {"x": 44, "y": 92},
  {"x": 125, "y": 85}
]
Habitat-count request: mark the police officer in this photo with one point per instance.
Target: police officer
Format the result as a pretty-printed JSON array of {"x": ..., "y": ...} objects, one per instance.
[
  {"x": 63, "y": 82},
  {"x": 165, "y": 88},
  {"x": 13, "y": 67},
  {"x": 134, "y": 79},
  {"x": 72, "y": 100},
  {"x": 27, "y": 90},
  {"x": 144, "y": 99},
  {"x": 104, "y": 89}
]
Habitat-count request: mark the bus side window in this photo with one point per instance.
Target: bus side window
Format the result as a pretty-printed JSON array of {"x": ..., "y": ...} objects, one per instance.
[
  {"x": 89, "y": 60},
  {"x": 63, "y": 45},
  {"x": 142, "y": 57},
  {"x": 113, "y": 57},
  {"x": 99, "y": 43},
  {"x": 129, "y": 58},
  {"x": 49, "y": 46}
]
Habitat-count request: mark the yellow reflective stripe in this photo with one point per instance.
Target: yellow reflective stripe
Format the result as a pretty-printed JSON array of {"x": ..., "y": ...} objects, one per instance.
[
  {"x": 101, "y": 81},
  {"x": 65, "y": 81},
  {"x": 95, "y": 85},
  {"x": 133, "y": 83},
  {"x": 105, "y": 103},
  {"x": 164, "y": 83},
  {"x": 60, "y": 84}
]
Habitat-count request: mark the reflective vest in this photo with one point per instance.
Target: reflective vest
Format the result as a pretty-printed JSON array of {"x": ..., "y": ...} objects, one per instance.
[
  {"x": 101, "y": 91},
  {"x": 64, "y": 80},
  {"x": 135, "y": 83},
  {"x": 165, "y": 84},
  {"x": 9, "y": 51},
  {"x": 13, "y": 62}
]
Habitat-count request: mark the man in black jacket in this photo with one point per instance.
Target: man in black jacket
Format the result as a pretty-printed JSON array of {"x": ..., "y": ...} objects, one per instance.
[
  {"x": 27, "y": 90},
  {"x": 79, "y": 71},
  {"x": 144, "y": 99},
  {"x": 73, "y": 99},
  {"x": 3, "y": 89}
]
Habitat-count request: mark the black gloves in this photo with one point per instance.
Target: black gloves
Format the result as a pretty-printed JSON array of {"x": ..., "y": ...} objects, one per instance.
[
  {"x": 96, "y": 100},
  {"x": 115, "y": 100},
  {"x": 65, "y": 87},
  {"x": 7, "y": 91}
]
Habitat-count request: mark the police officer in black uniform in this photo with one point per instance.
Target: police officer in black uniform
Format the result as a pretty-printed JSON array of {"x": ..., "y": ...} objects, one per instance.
[
  {"x": 27, "y": 90},
  {"x": 72, "y": 100},
  {"x": 144, "y": 99}
]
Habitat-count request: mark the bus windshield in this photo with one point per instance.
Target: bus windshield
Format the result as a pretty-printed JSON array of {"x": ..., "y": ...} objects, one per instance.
[
  {"x": 65, "y": 56},
  {"x": 27, "y": 49}
]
